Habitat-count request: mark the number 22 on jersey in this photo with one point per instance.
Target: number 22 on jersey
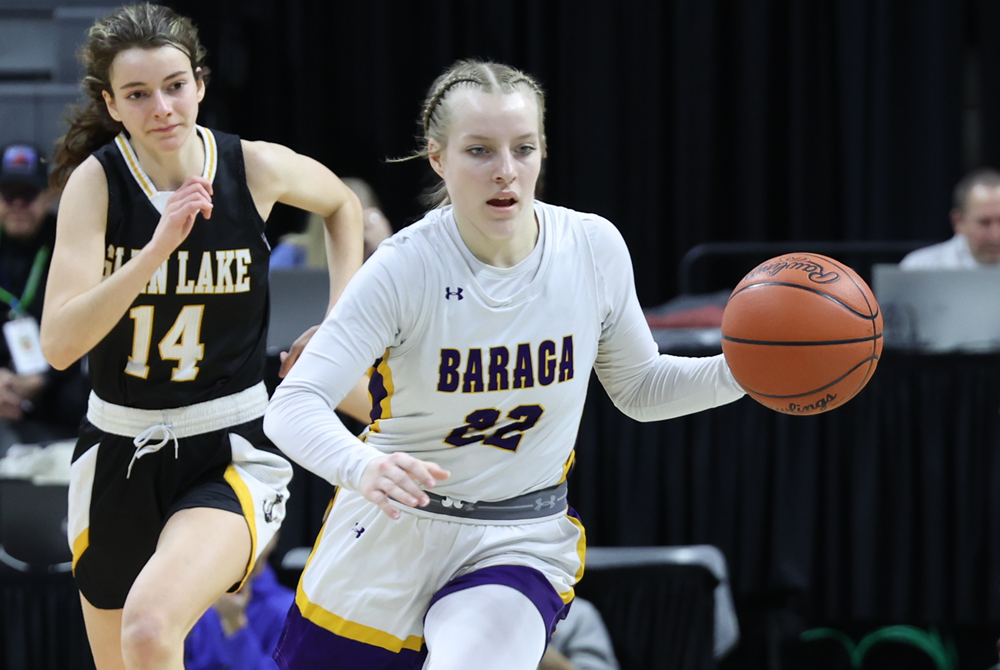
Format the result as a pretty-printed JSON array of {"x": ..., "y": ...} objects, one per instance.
[
  {"x": 182, "y": 343},
  {"x": 507, "y": 437}
]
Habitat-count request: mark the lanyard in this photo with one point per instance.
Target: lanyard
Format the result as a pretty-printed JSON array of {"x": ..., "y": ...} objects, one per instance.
[{"x": 19, "y": 306}]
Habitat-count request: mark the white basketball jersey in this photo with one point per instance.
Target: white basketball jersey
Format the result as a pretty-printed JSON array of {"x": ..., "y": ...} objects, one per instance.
[{"x": 492, "y": 390}]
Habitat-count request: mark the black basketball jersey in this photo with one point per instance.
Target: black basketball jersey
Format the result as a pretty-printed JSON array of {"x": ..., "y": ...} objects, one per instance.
[{"x": 198, "y": 331}]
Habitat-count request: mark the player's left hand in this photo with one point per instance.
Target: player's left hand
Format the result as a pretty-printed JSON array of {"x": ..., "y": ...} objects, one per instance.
[
  {"x": 289, "y": 357},
  {"x": 401, "y": 477}
]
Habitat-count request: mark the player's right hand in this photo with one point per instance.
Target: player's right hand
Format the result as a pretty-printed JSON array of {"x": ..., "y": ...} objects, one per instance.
[
  {"x": 193, "y": 197},
  {"x": 401, "y": 477}
]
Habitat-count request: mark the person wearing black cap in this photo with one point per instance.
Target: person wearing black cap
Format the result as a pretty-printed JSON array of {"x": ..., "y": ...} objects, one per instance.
[{"x": 37, "y": 403}]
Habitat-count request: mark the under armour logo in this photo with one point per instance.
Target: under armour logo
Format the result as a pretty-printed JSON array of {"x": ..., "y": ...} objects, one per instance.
[
  {"x": 448, "y": 292},
  {"x": 542, "y": 504},
  {"x": 357, "y": 530},
  {"x": 268, "y": 507}
]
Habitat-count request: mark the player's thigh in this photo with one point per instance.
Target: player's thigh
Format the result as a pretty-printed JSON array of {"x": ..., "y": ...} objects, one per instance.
[
  {"x": 202, "y": 553},
  {"x": 487, "y": 627}
]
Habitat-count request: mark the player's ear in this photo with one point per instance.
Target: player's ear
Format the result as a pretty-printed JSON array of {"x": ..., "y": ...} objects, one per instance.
[
  {"x": 200, "y": 79},
  {"x": 109, "y": 101},
  {"x": 436, "y": 157}
]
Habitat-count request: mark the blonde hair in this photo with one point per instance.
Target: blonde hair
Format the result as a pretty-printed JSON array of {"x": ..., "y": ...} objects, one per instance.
[
  {"x": 486, "y": 76},
  {"x": 144, "y": 26}
]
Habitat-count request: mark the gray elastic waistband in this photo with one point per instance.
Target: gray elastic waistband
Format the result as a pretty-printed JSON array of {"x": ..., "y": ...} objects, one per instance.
[{"x": 534, "y": 505}]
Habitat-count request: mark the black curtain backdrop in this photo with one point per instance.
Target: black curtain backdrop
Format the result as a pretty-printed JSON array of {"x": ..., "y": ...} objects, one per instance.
[
  {"x": 884, "y": 510},
  {"x": 683, "y": 122},
  {"x": 693, "y": 121}
]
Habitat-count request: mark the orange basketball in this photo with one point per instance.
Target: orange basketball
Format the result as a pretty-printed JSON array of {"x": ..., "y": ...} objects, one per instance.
[{"x": 802, "y": 333}]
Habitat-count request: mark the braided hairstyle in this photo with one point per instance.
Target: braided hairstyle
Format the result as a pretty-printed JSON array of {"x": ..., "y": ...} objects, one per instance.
[
  {"x": 488, "y": 77},
  {"x": 143, "y": 26}
]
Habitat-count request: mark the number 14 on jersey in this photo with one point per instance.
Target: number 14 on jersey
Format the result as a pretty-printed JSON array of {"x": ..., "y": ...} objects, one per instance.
[{"x": 182, "y": 343}]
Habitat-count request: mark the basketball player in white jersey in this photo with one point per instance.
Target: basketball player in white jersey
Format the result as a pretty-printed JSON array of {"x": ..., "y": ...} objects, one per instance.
[{"x": 450, "y": 543}]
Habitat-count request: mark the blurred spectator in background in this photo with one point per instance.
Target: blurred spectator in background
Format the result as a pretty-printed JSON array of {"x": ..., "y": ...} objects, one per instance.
[
  {"x": 975, "y": 218},
  {"x": 37, "y": 403},
  {"x": 581, "y": 641},
  {"x": 308, "y": 249},
  {"x": 241, "y": 629}
]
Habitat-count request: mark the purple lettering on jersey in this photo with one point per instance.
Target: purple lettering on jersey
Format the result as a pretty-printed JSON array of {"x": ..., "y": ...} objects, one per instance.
[
  {"x": 499, "y": 380},
  {"x": 546, "y": 362},
  {"x": 495, "y": 373},
  {"x": 472, "y": 380},
  {"x": 524, "y": 375},
  {"x": 448, "y": 370},
  {"x": 566, "y": 365}
]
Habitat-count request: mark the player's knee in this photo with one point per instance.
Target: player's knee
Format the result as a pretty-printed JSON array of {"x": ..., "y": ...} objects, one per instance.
[{"x": 148, "y": 638}]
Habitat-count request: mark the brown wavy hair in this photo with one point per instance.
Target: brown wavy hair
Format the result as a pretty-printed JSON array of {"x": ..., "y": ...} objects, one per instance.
[{"x": 143, "y": 26}]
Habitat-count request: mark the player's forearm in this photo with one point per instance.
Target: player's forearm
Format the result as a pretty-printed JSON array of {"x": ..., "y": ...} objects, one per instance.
[
  {"x": 672, "y": 386},
  {"x": 344, "y": 238},
  {"x": 72, "y": 328},
  {"x": 302, "y": 424}
]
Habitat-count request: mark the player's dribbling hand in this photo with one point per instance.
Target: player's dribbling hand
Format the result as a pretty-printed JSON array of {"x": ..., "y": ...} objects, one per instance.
[
  {"x": 396, "y": 476},
  {"x": 288, "y": 358},
  {"x": 193, "y": 197}
]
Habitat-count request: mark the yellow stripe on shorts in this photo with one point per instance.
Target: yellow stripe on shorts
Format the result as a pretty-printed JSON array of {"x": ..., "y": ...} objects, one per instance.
[{"x": 246, "y": 504}]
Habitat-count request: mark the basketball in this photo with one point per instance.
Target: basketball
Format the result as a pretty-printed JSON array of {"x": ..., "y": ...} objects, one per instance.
[{"x": 802, "y": 333}]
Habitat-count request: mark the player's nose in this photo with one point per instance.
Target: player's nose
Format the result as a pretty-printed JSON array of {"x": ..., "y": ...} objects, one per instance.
[
  {"x": 505, "y": 172},
  {"x": 162, "y": 105}
]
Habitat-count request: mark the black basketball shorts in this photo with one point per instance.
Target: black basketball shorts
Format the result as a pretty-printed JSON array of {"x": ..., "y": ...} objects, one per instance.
[{"x": 132, "y": 469}]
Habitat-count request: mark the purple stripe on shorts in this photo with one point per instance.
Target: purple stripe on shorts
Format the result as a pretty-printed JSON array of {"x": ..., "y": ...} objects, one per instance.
[
  {"x": 521, "y": 578},
  {"x": 306, "y": 646}
]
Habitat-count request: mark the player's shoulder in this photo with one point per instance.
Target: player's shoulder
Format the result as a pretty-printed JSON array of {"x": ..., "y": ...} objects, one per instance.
[
  {"x": 592, "y": 231},
  {"x": 426, "y": 235},
  {"x": 265, "y": 158},
  {"x": 595, "y": 226},
  {"x": 88, "y": 180},
  {"x": 411, "y": 252}
]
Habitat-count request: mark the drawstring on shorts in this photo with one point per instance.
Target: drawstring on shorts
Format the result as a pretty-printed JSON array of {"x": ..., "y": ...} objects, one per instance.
[{"x": 143, "y": 446}]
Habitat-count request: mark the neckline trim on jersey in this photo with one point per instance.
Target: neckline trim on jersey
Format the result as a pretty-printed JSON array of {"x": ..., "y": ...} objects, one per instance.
[
  {"x": 530, "y": 289},
  {"x": 145, "y": 183}
]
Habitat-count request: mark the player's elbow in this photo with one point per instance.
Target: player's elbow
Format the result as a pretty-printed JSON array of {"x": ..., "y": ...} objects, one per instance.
[
  {"x": 629, "y": 405},
  {"x": 58, "y": 351},
  {"x": 274, "y": 420},
  {"x": 58, "y": 360}
]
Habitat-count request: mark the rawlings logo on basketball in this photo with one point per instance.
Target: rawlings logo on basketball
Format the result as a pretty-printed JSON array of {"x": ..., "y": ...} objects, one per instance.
[
  {"x": 815, "y": 271},
  {"x": 819, "y": 405}
]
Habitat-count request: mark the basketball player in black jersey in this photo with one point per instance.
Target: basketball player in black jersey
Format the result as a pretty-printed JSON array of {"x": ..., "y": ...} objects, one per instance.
[{"x": 159, "y": 273}]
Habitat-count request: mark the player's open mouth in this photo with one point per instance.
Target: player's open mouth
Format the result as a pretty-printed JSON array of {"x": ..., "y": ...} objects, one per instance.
[{"x": 501, "y": 202}]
